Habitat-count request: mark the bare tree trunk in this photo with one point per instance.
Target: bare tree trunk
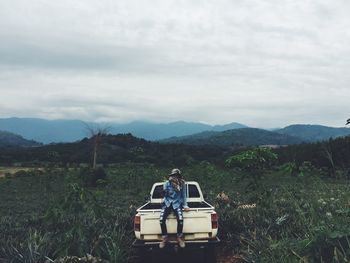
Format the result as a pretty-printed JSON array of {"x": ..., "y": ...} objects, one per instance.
[
  {"x": 95, "y": 155},
  {"x": 96, "y": 145},
  {"x": 96, "y": 134},
  {"x": 329, "y": 156}
]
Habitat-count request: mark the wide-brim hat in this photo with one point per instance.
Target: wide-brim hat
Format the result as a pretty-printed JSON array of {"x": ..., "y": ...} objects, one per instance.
[{"x": 175, "y": 172}]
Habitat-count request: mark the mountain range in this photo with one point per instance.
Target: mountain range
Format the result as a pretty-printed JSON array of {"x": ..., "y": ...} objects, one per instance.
[
  {"x": 53, "y": 131},
  {"x": 195, "y": 133}
]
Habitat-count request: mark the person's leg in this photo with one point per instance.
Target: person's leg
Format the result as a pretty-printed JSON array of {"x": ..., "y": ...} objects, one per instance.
[
  {"x": 180, "y": 225},
  {"x": 180, "y": 221},
  {"x": 162, "y": 219}
]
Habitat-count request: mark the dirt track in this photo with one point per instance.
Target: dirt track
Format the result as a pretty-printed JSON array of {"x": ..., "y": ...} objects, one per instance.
[
  {"x": 189, "y": 256},
  {"x": 13, "y": 170}
]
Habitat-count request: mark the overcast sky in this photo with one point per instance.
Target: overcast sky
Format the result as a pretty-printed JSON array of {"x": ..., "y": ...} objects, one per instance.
[{"x": 262, "y": 63}]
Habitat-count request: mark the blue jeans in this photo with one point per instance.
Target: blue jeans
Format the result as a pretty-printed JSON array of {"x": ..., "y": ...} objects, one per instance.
[{"x": 179, "y": 217}]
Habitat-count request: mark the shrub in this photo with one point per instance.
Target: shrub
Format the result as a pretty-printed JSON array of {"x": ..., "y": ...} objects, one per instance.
[
  {"x": 21, "y": 173},
  {"x": 93, "y": 177}
]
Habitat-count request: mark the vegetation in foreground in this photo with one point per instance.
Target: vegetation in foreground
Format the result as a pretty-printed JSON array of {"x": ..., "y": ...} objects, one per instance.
[{"x": 55, "y": 213}]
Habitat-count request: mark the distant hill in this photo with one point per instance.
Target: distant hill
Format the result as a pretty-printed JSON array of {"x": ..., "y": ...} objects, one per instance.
[
  {"x": 313, "y": 133},
  {"x": 243, "y": 137},
  {"x": 11, "y": 139},
  {"x": 48, "y": 131},
  {"x": 230, "y": 126}
]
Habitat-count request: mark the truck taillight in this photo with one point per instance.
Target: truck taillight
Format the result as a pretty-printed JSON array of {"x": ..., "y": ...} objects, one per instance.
[
  {"x": 137, "y": 223},
  {"x": 214, "y": 221}
]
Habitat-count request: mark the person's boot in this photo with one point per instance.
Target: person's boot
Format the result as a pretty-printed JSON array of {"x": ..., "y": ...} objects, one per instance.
[
  {"x": 181, "y": 242},
  {"x": 163, "y": 242}
]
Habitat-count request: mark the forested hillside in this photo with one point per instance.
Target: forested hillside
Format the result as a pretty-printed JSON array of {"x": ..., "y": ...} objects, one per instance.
[
  {"x": 113, "y": 149},
  {"x": 11, "y": 139},
  {"x": 314, "y": 133},
  {"x": 237, "y": 137},
  {"x": 332, "y": 153}
]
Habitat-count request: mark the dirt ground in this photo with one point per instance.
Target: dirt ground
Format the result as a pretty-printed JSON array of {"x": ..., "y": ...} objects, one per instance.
[
  {"x": 188, "y": 256},
  {"x": 229, "y": 259},
  {"x": 13, "y": 170}
]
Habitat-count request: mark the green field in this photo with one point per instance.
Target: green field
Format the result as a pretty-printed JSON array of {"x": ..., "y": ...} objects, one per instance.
[{"x": 51, "y": 214}]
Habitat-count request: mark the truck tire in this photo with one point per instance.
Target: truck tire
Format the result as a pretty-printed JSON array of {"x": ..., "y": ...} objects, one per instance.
[{"x": 210, "y": 254}]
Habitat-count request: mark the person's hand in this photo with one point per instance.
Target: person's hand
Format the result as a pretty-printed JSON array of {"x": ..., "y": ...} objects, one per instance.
[{"x": 186, "y": 209}]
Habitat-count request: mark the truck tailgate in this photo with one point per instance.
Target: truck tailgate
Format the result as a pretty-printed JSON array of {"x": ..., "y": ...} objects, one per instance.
[{"x": 196, "y": 221}]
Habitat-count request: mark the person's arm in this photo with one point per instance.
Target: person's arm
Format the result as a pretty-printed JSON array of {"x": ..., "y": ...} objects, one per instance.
[
  {"x": 184, "y": 196},
  {"x": 165, "y": 189}
]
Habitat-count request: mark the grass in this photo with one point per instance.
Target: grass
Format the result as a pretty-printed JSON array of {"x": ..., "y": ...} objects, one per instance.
[{"x": 296, "y": 219}]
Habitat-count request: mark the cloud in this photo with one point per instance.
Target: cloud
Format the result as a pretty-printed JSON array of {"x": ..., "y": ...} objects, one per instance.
[{"x": 264, "y": 63}]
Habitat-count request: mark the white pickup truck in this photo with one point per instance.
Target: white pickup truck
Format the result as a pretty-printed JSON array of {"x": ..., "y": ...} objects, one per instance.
[{"x": 200, "y": 222}]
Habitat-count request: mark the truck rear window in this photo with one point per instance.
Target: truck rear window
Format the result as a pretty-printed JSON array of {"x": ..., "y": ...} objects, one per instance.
[
  {"x": 193, "y": 191},
  {"x": 158, "y": 192}
]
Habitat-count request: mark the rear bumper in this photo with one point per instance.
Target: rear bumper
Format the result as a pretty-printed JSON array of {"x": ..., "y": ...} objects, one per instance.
[{"x": 189, "y": 243}]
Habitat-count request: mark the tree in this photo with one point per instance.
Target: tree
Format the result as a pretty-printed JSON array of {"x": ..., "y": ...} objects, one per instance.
[
  {"x": 256, "y": 159},
  {"x": 253, "y": 161},
  {"x": 328, "y": 153},
  {"x": 95, "y": 134}
]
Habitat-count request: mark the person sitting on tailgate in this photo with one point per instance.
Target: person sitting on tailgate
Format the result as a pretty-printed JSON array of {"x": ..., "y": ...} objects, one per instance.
[{"x": 174, "y": 190}]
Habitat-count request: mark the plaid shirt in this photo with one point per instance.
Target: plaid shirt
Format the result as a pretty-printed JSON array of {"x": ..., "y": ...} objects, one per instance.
[{"x": 177, "y": 199}]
